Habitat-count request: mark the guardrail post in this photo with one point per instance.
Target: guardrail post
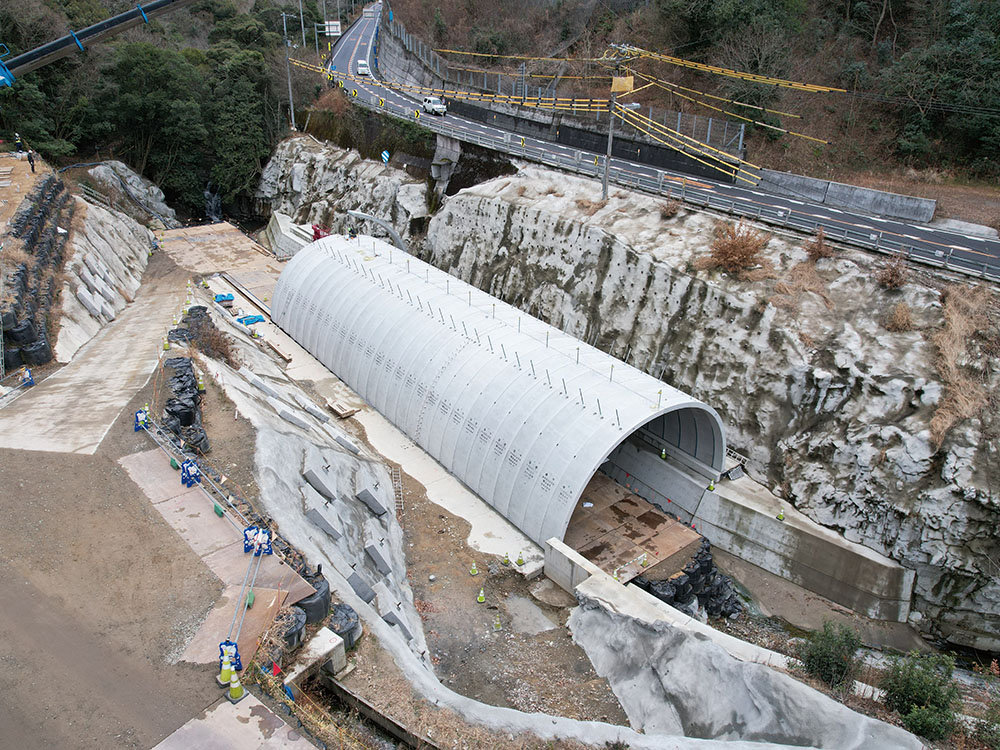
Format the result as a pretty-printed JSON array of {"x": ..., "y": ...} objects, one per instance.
[{"x": 659, "y": 182}]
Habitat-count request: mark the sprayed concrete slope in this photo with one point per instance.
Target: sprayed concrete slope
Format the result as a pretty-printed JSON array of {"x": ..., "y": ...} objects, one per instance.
[{"x": 72, "y": 410}]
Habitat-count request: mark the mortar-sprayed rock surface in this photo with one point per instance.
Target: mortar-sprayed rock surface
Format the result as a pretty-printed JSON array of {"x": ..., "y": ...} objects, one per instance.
[
  {"x": 833, "y": 410},
  {"x": 317, "y": 184},
  {"x": 669, "y": 682}
]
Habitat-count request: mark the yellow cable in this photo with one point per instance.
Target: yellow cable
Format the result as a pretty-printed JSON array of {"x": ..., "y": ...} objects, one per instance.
[
  {"x": 729, "y": 73},
  {"x": 664, "y": 85},
  {"x": 735, "y": 174},
  {"x": 518, "y": 57},
  {"x": 670, "y": 132}
]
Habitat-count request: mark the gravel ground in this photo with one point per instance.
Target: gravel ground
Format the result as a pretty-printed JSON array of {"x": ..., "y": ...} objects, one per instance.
[{"x": 544, "y": 671}]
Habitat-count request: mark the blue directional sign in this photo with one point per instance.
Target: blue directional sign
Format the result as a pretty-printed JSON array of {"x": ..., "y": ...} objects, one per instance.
[{"x": 385, "y": 157}]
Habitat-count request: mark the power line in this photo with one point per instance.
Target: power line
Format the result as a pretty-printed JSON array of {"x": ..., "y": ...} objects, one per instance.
[{"x": 727, "y": 72}]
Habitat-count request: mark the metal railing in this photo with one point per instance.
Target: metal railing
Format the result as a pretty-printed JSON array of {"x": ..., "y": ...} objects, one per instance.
[{"x": 675, "y": 188}]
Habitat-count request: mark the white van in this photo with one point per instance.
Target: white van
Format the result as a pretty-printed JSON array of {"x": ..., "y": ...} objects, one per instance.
[
  {"x": 362, "y": 68},
  {"x": 434, "y": 106}
]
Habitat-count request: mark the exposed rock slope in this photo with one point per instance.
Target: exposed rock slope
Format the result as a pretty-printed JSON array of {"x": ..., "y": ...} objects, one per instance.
[
  {"x": 833, "y": 410},
  {"x": 318, "y": 184}
]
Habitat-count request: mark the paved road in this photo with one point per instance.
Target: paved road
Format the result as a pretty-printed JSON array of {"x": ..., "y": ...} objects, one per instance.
[{"x": 922, "y": 242}]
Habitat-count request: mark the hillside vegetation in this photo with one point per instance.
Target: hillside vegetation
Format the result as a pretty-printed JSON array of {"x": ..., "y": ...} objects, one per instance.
[
  {"x": 193, "y": 99},
  {"x": 926, "y": 72}
]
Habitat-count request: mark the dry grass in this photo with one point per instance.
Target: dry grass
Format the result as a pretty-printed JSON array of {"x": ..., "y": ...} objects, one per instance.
[
  {"x": 900, "y": 318},
  {"x": 818, "y": 247},
  {"x": 669, "y": 209},
  {"x": 13, "y": 254},
  {"x": 521, "y": 190},
  {"x": 553, "y": 190},
  {"x": 964, "y": 316},
  {"x": 215, "y": 344},
  {"x": 894, "y": 274},
  {"x": 801, "y": 278},
  {"x": 588, "y": 207},
  {"x": 739, "y": 249}
]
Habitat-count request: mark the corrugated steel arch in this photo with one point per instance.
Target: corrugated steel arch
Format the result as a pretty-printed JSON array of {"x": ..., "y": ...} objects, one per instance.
[{"x": 521, "y": 412}]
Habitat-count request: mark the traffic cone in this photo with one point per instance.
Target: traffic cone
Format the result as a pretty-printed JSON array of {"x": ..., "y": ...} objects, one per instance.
[
  {"x": 201, "y": 385},
  {"x": 663, "y": 453},
  {"x": 506, "y": 559},
  {"x": 473, "y": 571},
  {"x": 166, "y": 344},
  {"x": 236, "y": 691},
  {"x": 497, "y": 626},
  {"x": 520, "y": 559},
  {"x": 226, "y": 674},
  {"x": 482, "y": 596},
  {"x": 781, "y": 515},
  {"x": 711, "y": 486}
]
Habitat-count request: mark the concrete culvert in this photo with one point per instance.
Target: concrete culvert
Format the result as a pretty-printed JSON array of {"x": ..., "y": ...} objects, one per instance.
[{"x": 523, "y": 413}]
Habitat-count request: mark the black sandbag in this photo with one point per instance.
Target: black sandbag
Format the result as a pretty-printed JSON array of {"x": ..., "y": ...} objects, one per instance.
[
  {"x": 316, "y": 606},
  {"x": 23, "y": 333},
  {"x": 297, "y": 629},
  {"x": 7, "y": 318},
  {"x": 344, "y": 622},
  {"x": 196, "y": 439},
  {"x": 37, "y": 353},
  {"x": 181, "y": 409},
  {"x": 11, "y": 357}
]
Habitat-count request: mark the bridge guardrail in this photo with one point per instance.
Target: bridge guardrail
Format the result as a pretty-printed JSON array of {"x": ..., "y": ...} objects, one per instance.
[{"x": 514, "y": 145}]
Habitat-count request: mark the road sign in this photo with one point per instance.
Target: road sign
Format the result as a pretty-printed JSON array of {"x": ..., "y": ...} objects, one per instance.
[
  {"x": 385, "y": 157},
  {"x": 331, "y": 28},
  {"x": 381, "y": 102}
]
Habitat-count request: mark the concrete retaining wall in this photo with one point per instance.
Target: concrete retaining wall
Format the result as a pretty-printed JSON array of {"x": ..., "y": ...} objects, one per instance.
[
  {"x": 853, "y": 197},
  {"x": 797, "y": 549}
]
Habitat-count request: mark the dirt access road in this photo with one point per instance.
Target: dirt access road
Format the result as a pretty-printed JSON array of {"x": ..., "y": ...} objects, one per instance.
[{"x": 98, "y": 595}]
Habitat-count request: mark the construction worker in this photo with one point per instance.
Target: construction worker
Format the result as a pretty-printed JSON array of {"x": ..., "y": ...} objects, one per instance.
[
  {"x": 31, "y": 161},
  {"x": 18, "y": 143}
]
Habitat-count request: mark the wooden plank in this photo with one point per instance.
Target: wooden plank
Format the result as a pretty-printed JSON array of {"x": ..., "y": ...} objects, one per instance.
[
  {"x": 342, "y": 410},
  {"x": 277, "y": 350}
]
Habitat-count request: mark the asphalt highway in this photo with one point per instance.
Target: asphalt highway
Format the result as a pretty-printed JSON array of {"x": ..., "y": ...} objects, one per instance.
[{"x": 924, "y": 242}]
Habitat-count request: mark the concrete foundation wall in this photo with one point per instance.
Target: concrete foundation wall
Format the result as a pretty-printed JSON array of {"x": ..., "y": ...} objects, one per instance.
[
  {"x": 879, "y": 589},
  {"x": 795, "y": 549},
  {"x": 870, "y": 201},
  {"x": 648, "y": 476}
]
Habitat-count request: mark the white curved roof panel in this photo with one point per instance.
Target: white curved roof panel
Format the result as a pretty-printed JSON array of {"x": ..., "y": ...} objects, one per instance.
[{"x": 521, "y": 412}]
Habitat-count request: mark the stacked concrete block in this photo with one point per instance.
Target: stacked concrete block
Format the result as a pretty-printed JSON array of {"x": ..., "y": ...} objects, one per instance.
[
  {"x": 321, "y": 521},
  {"x": 378, "y": 558},
  {"x": 361, "y": 588},
  {"x": 318, "y": 478},
  {"x": 373, "y": 503}
]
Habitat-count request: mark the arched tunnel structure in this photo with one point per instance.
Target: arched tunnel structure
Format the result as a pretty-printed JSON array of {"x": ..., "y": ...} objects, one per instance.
[{"x": 521, "y": 412}]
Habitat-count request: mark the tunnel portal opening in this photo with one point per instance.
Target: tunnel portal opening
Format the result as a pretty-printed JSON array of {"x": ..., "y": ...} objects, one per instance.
[{"x": 634, "y": 517}]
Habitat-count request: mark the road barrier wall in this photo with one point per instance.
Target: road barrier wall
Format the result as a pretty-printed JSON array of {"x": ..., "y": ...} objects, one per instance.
[
  {"x": 588, "y": 140},
  {"x": 878, "y": 202}
]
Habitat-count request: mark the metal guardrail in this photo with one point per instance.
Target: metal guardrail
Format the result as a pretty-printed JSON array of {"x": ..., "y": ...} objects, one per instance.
[{"x": 664, "y": 185}]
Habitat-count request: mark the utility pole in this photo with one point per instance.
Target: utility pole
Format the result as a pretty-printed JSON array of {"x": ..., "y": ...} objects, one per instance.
[
  {"x": 288, "y": 67},
  {"x": 611, "y": 131},
  {"x": 607, "y": 158},
  {"x": 302, "y": 23}
]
